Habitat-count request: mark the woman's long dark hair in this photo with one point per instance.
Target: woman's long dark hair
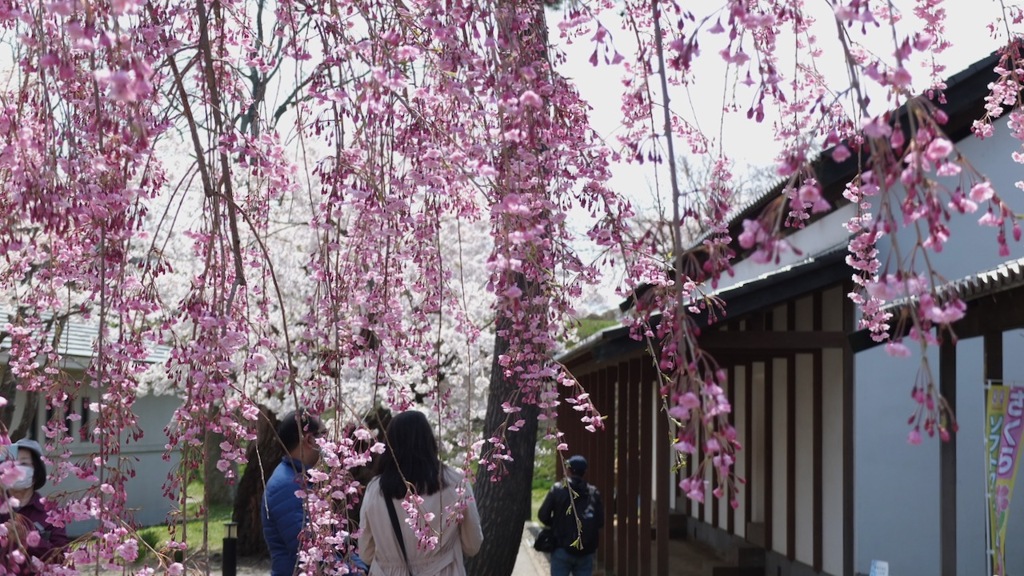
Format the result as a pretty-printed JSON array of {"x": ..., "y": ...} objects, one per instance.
[
  {"x": 412, "y": 452},
  {"x": 39, "y": 469}
]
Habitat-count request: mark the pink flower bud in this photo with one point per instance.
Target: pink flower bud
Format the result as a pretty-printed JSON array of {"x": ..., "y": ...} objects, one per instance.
[{"x": 914, "y": 438}]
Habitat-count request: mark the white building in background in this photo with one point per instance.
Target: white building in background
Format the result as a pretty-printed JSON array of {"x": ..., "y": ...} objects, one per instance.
[{"x": 148, "y": 457}]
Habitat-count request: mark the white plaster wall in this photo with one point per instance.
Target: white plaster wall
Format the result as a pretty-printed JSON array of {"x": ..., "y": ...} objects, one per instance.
[
  {"x": 897, "y": 515},
  {"x": 145, "y": 490},
  {"x": 780, "y": 449},
  {"x": 757, "y": 442},
  {"x": 896, "y": 486},
  {"x": 970, "y": 458},
  {"x": 657, "y": 479}
]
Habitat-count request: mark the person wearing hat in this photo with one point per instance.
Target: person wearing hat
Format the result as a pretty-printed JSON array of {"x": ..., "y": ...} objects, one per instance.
[
  {"x": 576, "y": 515},
  {"x": 30, "y": 538}
]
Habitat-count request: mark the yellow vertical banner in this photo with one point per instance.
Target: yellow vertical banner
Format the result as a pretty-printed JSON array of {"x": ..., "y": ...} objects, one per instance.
[
  {"x": 1005, "y": 423},
  {"x": 995, "y": 408}
]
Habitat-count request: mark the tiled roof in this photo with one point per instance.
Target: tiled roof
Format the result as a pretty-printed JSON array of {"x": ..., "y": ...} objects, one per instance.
[
  {"x": 1003, "y": 277},
  {"x": 1006, "y": 276},
  {"x": 786, "y": 271},
  {"x": 77, "y": 341},
  {"x": 965, "y": 93}
]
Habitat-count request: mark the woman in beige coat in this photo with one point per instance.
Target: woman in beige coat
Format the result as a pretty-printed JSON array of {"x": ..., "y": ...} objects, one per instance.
[{"x": 446, "y": 520}]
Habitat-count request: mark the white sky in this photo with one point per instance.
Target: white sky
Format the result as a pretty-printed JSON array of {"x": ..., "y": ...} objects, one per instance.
[
  {"x": 749, "y": 144},
  {"x": 744, "y": 140}
]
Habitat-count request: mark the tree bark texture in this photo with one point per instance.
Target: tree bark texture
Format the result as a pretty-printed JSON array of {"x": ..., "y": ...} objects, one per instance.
[
  {"x": 217, "y": 489},
  {"x": 262, "y": 456},
  {"x": 504, "y": 505}
]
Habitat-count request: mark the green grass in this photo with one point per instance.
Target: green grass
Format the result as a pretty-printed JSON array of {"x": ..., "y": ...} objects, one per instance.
[
  {"x": 543, "y": 472},
  {"x": 153, "y": 540},
  {"x": 588, "y": 327},
  {"x": 193, "y": 527}
]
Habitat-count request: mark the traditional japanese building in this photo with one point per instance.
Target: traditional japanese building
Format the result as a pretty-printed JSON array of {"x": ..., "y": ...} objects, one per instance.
[{"x": 820, "y": 408}]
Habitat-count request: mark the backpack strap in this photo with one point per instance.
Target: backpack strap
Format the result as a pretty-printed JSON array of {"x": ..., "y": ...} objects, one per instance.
[{"x": 398, "y": 531}]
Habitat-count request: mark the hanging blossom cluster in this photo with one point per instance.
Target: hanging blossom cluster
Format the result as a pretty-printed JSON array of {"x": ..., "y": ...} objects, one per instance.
[
  {"x": 670, "y": 43},
  {"x": 906, "y": 163},
  {"x": 904, "y": 187},
  {"x": 78, "y": 172},
  {"x": 306, "y": 250},
  {"x": 534, "y": 271},
  {"x": 331, "y": 148}
]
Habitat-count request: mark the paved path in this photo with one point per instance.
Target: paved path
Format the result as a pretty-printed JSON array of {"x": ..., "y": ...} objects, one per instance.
[
  {"x": 687, "y": 559},
  {"x": 529, "y": 562}
]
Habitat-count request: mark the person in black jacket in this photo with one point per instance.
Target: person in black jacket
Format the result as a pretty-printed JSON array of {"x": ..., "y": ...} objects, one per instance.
[{"x": 576, "y": 515}]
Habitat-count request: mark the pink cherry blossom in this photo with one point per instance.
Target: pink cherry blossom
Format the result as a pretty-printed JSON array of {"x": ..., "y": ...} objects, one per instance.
[
  {"x": 982, "y": 191},
  {"x": 361, "y": 211}
]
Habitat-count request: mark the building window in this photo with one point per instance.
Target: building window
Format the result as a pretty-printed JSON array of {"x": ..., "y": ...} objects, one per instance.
[
  {"x": 54, "y": 413},
  {"x": 75, "y": 411}
]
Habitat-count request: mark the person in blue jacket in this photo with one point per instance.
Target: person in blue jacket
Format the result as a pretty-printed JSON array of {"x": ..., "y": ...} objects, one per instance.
[{"x": 283, "y": 513}]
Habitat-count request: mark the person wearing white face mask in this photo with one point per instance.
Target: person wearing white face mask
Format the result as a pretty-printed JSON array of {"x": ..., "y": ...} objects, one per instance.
[{"x": 27, "y": 536}]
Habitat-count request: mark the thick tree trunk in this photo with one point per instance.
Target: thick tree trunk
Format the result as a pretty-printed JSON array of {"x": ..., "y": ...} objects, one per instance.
[
  {"x": 504, "y": 505},
  {"x": 262, "y": 456},
  {"x": 217, "y": 489}
]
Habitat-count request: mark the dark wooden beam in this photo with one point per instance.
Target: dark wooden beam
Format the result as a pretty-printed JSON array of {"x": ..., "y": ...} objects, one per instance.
[
  {"x": 730, "y": 519},
  {"x": 712, "y": 502},
  {"x": 769, "y": 441},
  {"x": 645, "y": 395},
  {"x": 992, "y": 363},
  {"x": 622, "y": 457},
  {"x": 848, "y": 436},
  {"x": 791, "y": 456},
  {"x": 985, "y": 314},
  {"x": 993, "y": 355},
  {"x": 993, "y": 313},
  {"x": 772, "y": 343},
  {"x": 817, "y": 474},
  {"x": 664, "y": 478},
  {"x": 608, "y": 409},
  {"x": 947, "y": 464},
  {"x": 632, "y": 493},
  {"x": 693, "y": 462}
]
